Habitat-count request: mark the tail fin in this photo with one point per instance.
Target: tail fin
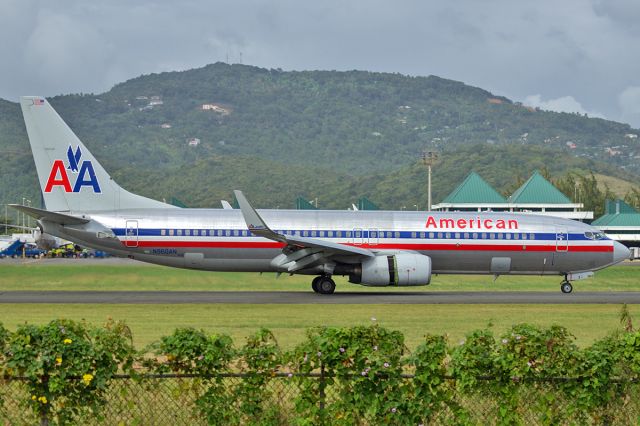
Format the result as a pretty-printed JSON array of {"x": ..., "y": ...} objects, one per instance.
[{"x": 71, "y": 179}]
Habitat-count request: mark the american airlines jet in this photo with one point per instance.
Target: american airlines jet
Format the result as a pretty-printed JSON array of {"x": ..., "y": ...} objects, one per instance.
[{"x": 373, "y": 248}]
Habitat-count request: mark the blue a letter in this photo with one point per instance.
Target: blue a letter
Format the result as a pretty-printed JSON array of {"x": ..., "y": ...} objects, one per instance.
[{"x": 87, "y": 167}]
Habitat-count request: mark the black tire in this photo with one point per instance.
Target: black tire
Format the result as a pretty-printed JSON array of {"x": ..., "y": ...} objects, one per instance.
[
  {"x": 566, "y": 287},
  {"x": 314, "y": 284},
  {"x": 326, "y": 285}
]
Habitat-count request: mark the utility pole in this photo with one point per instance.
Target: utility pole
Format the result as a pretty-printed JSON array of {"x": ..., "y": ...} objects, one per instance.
[{"x": 428, "y": 159}]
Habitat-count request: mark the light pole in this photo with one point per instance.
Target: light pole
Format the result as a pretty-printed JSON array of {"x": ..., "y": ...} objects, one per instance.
[
  {"x": 416, "y": 206},
  {"x": 28, "y": 217},
  {"x": 428, "y": 159}
]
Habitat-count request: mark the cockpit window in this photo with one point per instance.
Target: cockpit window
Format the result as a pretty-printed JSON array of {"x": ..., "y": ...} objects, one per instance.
[{"x": 595, "y": 235}]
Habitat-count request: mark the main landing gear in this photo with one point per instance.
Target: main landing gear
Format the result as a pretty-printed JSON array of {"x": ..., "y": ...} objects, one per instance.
[
  {"x": 323, "y": 285},
  {"x": 565, "y": 286}
]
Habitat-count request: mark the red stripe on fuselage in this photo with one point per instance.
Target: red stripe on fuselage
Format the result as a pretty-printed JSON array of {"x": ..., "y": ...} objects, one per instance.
[{"x": 419, "y": 247}]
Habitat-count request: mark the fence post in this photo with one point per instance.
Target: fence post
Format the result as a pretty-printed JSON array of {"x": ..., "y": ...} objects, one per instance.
[{"x": 322, "y": 393}]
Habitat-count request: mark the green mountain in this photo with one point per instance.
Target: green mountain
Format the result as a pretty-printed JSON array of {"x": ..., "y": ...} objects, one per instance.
[{"x": 332, "y": 135}]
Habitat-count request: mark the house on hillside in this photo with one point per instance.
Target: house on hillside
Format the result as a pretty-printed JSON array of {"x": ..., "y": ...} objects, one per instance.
[
  {"x": 193, "y": 142},
  {"x": 216, "y": 108}
]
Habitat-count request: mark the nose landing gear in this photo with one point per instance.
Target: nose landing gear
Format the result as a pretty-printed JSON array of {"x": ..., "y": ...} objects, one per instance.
[
  {"x": 565, "y": 286},
  {"x": 323, "y": 285}
]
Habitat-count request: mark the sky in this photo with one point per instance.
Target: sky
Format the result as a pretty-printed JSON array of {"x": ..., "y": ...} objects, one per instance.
[{"x": 570, "y": 55}]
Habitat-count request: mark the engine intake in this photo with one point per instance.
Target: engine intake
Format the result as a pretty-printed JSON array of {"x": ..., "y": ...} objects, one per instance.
[{"x": 402, "y": 269}]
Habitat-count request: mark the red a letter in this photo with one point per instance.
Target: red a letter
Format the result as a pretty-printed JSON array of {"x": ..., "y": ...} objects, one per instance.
[{"x": 58, "y": 167}]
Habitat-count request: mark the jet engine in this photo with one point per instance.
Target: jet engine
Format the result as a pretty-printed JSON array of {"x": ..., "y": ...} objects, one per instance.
[
  {"x": 43, "y": 240},
  {"x": 401, "y": 269}
]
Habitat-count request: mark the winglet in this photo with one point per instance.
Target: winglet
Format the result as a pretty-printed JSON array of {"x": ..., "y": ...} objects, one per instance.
[{"x": 253, "y": 220}]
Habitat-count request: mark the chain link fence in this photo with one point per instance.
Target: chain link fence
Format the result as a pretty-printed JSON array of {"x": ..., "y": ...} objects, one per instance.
[{"x": 173, "y": 400}]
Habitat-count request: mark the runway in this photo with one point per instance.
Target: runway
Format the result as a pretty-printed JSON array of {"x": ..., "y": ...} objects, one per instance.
[{"x": 299, "y": 297}]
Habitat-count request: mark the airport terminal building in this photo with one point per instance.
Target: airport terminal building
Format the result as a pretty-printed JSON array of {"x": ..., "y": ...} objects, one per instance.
[
  {"x": 621, "y": 222},
  {"x": 537, "y": 195}
]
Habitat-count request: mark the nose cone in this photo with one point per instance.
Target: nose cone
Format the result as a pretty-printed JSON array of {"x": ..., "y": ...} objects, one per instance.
[{"x": 620, "y": 252}]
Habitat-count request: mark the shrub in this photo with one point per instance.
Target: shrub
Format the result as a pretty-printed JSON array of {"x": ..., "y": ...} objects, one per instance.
[{"x": 67, "y": 365}]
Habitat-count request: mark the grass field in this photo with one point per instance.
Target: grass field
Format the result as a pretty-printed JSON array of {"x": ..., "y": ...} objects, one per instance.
[
  {"x": 75, "y": 275},
  {"x": 289, "y": 322}
]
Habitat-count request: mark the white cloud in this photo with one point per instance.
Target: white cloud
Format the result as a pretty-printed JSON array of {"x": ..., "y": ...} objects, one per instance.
[
  {"x": 562, "y": 104},
  {"x": 629, "y": 102}
]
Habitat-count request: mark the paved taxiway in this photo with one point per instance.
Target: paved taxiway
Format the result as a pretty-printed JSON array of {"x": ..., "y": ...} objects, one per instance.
[{"x": 299, "y": 297}]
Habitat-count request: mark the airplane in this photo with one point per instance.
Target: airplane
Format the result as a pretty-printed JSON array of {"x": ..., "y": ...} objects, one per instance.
[{"x": 373, "y": 248}]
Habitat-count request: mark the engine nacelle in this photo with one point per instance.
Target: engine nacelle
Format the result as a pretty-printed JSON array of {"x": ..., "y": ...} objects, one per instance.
[
  {"x": 43, "y": 240},
  {"x": 402, "y": 269}
]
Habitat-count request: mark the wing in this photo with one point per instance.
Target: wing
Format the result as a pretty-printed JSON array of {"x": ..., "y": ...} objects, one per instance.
[{"x": 300, "y": 252}]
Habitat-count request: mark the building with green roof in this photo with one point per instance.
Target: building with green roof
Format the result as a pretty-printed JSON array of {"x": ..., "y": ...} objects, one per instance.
[
  {"x": 536, "y": 195},
  {"x": 473, "y": 194},
  {"x": 621, "y": 222}
]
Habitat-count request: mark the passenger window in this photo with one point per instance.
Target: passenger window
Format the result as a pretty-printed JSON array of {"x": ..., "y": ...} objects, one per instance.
[
  {"x": 431, "y": 235},
  {"x": 448, "y": 234},
  {"x": 397, "y": 234},
  {"x": 413, "y": 235},
  {"x": 422, "y": 235},
  {"x": 508, "y": 236},
  {"x": 532, "y": 236},
  {"x": 171, "y": 232},
  {"x": 163, "y": 232},
  {"x": 439, "y": 235},
  {"x": 466, "y": 235},
  {"x": 457, "y": 236},
  {"x": 313, "y": 233},
  {"x": 484, "y": 235}
]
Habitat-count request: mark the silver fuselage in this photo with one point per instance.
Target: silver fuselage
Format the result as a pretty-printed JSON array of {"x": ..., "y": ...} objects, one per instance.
[{"x": 459, "y": 243}]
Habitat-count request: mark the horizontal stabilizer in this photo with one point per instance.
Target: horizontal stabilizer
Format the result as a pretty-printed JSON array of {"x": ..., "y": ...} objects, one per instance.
[{"x": 59, "y": 218}]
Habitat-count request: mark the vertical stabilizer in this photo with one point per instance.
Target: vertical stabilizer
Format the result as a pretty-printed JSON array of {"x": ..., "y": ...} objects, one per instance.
[{"x": 70, "y": 177}]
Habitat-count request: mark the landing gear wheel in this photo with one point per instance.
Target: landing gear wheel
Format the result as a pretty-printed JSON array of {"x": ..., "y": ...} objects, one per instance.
[
  {"x": 566, "y": 287},
  {"x": 326, "y": 285},
  {"x": 314, "y": 284}
]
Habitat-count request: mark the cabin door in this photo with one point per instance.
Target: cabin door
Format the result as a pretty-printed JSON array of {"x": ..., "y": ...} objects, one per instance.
[
  {"x": 131, "y": 234},
  {"x": 562, "y": 239}
]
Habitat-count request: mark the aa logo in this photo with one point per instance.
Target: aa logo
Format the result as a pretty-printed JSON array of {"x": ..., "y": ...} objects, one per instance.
[{"x": 82, "y": 173}]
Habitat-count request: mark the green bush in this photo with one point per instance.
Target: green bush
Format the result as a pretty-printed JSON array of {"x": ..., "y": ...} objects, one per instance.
[
  {"x": 363, "y": 364},
  {"x": 191, "y": 351},
  {"x": 343, "y": 376},
  {"x": 67, "y": 365}
]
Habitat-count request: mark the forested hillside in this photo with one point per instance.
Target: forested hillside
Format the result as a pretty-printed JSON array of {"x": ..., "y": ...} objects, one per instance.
[{"x": 332, "y": 135}]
